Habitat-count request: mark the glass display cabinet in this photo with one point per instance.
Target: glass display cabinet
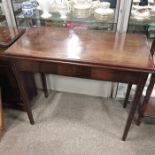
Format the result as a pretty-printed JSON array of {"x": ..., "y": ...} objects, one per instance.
[
  {"x": 103, "y": 15},
  {"x": 85, "y": 14},
  {"x": 142, "y": 17},
  {"x": 136, "y": 16}
]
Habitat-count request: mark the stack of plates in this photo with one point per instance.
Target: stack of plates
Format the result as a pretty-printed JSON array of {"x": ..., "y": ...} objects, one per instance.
[
  {"x": 82, "y": 10},
  {"x": 102, "y": 14},
  {"x": 140, "y": 16}
]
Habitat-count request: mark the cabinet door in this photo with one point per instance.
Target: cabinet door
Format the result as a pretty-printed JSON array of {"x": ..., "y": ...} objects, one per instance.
[{"x": 87, "y": 14}]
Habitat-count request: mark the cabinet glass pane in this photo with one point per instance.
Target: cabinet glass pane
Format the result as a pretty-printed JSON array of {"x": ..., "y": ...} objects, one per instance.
[
  {"x": 142, "y": 17},
  {"x": 85, "y": 14},
  {"x": 3, "y": 21}
]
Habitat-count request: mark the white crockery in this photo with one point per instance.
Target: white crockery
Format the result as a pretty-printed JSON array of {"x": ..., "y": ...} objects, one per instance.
[
  {"x": 103, "y": 12},
  {"x": 105, "y": 5},
  {"x": 45, "y": 7}
]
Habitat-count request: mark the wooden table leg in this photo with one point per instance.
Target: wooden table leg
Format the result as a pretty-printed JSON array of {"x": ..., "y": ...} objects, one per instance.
[
  {"x": 127, "y": 95},
  {"x": 1, "y": 116},
  {"x": 134, "y": 105},
  {"x": 23, "y": 93},
  {"x": 44, "y": 84},
  {"x": 142, "y": 108}
]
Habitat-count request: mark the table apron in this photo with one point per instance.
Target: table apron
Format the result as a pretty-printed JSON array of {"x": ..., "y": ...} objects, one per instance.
[{"x": 87, "y": 72}]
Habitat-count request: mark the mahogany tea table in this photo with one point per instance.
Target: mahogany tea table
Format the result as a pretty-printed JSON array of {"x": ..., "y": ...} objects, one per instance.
[{"x": 86, "y": 54}]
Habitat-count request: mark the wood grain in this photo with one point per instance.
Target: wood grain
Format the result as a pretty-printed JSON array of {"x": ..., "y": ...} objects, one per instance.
[{"x": 126, "y": 51}]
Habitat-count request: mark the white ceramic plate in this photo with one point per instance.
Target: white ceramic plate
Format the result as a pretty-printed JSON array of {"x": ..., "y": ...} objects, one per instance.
[
  {"x": 137, "y": 7},
  {"x": 81, "y": 7},
  {"x": 101, "y": 11}
]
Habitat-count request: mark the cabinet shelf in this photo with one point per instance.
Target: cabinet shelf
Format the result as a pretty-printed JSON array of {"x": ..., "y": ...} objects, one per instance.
[
  {"x": 142, "y": 26},
  {"x": 70, "y": 17},
  {"x": 146, "y": 22}
]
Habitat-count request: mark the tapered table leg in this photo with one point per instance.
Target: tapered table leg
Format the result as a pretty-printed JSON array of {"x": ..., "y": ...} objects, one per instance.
[
  {"x": 44, "y": 84},
  {"x": 134, "y": 105},
  {"x": 23, "y": 93},
  {"x": 127, "y": 95}
]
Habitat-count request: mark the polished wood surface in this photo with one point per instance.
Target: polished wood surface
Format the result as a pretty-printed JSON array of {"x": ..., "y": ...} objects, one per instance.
[
  {"x": 9, "y": 35},
  {"x": 126, "y": 51},
  {"x": 85, "y": 54}
]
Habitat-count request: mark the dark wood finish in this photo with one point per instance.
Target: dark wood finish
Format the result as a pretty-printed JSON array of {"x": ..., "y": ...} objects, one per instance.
[
  {"x": 7, "y": 37},
  {"x": 24, "y": 95},
  {"x": 84, "y": 54},
  {"x": 1, "y": 115},
  {"x": 8, "y": 83},
  {"x": 75, "y": 70},
  {"x": 134, "y": 105},
  {"x": 44, "y": 83},
  {"x": 120, "y": 50},
  {"x": 153, "y": 47},
  {"x": 127, "y": 95},
  {"x": 150, "y": 109},
  {"x": 144, "y": 106}
]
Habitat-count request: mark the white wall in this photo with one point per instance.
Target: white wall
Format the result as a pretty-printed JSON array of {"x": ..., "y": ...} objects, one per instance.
[{"x": 77, "y": 85}]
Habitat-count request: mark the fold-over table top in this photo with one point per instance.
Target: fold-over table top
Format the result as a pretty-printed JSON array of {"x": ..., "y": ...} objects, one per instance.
[{"x": 89, "y": 47}]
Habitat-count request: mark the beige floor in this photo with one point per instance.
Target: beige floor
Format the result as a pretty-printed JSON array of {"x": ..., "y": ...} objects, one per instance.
[{"x": 72, "y": 124}]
